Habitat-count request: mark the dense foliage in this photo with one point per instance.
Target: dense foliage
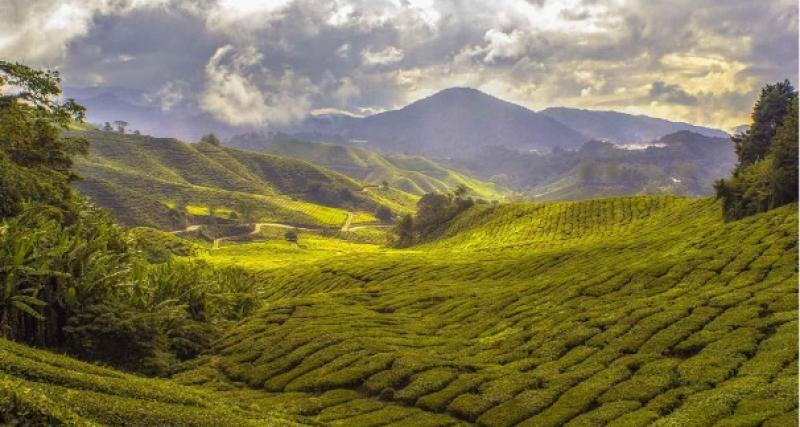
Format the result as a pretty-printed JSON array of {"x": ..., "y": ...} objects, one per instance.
[
  {"x": 765, "y": 176},
  {"x": 434, "y": 210},
  {"x": 69, "y": 276}
]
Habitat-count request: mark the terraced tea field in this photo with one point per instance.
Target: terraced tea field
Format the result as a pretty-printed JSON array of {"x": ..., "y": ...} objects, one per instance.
[
  {"x": 141, "y": 178},
  {"x": 41, "y": 388},
  {"x": 621, "y": 312}
]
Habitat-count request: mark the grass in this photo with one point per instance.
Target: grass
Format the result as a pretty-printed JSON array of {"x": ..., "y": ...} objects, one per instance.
[
  {"x": 621, "y": 311},
  {"x": 412, "y": 174},
  {"x": 276, "y": 252},
  {"x": 41, "y": 388},
  {"x": 141, "y": 179},
  {"x": 618, "y": 311}
]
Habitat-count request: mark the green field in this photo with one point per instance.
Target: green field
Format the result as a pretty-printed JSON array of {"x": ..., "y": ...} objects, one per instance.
[
  {"x": 622, "y": 311},
  {"x": 626, "y": 311},
  {"x": 141, "y": 179},
  {"x": 412, "y": 174},
  {"x": 42, "y": 388}
]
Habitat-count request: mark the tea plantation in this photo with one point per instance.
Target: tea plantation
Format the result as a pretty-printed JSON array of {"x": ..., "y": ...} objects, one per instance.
[
  {"x": 627, "y": 311},
  {"x": 620, "y": 311}
]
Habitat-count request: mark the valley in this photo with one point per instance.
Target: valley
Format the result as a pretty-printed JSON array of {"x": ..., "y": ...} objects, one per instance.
[
  {"x": 398, "y": 214},
  {"x": 499, "y": 322}
]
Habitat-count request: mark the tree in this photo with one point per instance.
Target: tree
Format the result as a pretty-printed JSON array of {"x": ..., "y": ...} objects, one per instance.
[
  {"x": 35, "y": 159},
  {"x": 384, "y": 185},
  {"x": 405, "y": 231},
  {"x": 121, "y": 125},
  {"x": 291, "y": 235},
  {"x": 461, "y": 191},
  {"x": 107, "y": 127},
  {"x": 210, "y": 139},
  {"x": 765, "y": 176},
  {"x": 136, "y": 132},
  {"x": 768, "y": 114},
  {"x": 784, "y": 151},
  {"x": 384, "y": 214}
]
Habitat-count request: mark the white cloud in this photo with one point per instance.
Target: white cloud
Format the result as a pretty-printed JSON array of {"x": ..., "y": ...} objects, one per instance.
[
  {"x": 388, "y": 55},
  {"x": 39, "y": 31},
  {"x": 505, "y": 45},
  {"x": 169, "y": 94},
  {"x": 240, "y": 92},
  {"x": 287, "y": 56}
]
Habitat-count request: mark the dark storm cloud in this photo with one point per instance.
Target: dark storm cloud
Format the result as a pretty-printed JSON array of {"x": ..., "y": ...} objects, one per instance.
[{"x": 271, "y": 62}]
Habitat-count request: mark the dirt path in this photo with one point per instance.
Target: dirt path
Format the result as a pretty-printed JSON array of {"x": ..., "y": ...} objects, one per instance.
[
  {"x": 346, "y": 226},
  {"x": 359, "y": 227},
  {"x": 188, "y": 229},
  {"x": 256, "y": 228}
]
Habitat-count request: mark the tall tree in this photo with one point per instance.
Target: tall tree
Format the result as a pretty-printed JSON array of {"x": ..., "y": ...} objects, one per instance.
[
  {"x": 765, "y": 176},
  {"x": 784, "y": 151},
  {"x": 768, "y": 113}
]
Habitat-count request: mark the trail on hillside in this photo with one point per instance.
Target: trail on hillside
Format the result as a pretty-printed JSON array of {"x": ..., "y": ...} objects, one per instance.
[
  {"x": 256, "y": 228},
  {"x": 346, "y": 226}
]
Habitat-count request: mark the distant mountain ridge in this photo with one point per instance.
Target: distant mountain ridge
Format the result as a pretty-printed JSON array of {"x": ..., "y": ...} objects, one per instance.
[
  {"x": 450, "y": 123},
  {"x": 455, "y": 122},
  {"x": 624, "y": 128}
]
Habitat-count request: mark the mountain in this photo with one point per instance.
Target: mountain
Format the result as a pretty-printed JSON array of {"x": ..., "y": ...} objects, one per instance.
[
  {"x": 623, "y": 128},
  {"x": 452, "y": 123},
  {"x": 413, "y": 174},
  {"x": 684, "y": 163},
  {"x": 141, "y": 179}
]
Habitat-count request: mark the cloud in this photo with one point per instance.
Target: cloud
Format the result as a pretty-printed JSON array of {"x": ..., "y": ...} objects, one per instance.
[
  {"x": 39, "y": 31},
  {"x": 502, "y": 45},
  {"x": 169, "y": 95},
  {"x": 388, "y": 55},
  {"x": 671, "y": 93},
  {"x": 239, "y": 91},
  {"x": 371, "y": 55}
]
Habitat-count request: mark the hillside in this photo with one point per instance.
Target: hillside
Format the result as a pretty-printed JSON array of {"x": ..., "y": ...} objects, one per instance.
[
  {"x": 452, "y": 123},
  {"x": 682, "y": 163},
  {"x": 142, "y": 178},
  {"x": 620, "y": 311},
  {"x": 412, "y": 174},
  {"x": 622, "y": 128},
  {"x": 42, "y": 388}
]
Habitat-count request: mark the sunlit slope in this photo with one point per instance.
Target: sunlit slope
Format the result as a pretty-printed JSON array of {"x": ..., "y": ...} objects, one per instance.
[
  {"x": 138, "y": 199},
  {"x": 268, "y": 187},
  {"x": 623, "y": 312},
  {"x": 413, "y": 174},
  {"x": 41, "y": 388}
]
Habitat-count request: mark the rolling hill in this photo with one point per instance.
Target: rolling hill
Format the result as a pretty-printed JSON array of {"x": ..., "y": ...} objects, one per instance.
[
  {"x": 412, "y": 174},
  {"x": 42, "y": 388},
  {"x": 452, "y": 123},
  {"x": 621, "y": 128},
  {"x": 142, "y": 178},
  {"x": 625, "y": 311},
  {"x": 621, "y": 312}
]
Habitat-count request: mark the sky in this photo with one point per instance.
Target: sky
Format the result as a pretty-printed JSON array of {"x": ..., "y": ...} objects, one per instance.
[{"x": 258, "y": 64}]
